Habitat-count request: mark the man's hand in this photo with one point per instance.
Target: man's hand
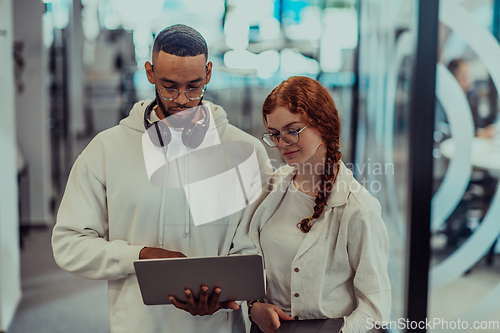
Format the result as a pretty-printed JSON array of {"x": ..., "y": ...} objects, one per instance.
[
  {"x": 267, "y": 316},
  {"x": 487, "y": 133},
  {"x": 156, "y": 253},
  {"x": 205, "y": 305}
]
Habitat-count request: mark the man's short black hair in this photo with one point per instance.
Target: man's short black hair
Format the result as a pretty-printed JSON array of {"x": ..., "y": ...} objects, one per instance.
[
  {"x": 454, "y": 64},
  {"x": 180, "y": 40}
]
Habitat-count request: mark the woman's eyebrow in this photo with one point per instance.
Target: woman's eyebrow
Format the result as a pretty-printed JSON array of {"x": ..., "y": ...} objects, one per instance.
[{"x": 295, "y": 122}]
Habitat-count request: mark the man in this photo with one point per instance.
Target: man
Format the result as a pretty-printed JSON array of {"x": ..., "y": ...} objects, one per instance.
[
  {"x": 457, "y": 225},
  {"x": 116, "y": 210},
  {"x": 484, "y": 126}
]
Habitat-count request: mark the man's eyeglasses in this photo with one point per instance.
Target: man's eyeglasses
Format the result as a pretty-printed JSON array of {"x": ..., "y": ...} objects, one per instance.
[
  {"x": 289, "y": 135},
  {"x": 169, "y": 94}
]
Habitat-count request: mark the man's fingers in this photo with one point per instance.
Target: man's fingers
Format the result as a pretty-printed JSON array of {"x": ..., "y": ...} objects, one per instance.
[
  {"x": 203, "y": 295},
  {"x": 204, "y": 305},
  {"x": 233, "y": 305},
  {"x": 282, "y": 314},
  {"x": 190, "y": 300},
  {"x": 229, "y": 305},
  {"x": 203, "y": 301},
  {"x": 214, "y": 300},
  {"x": 177, "y": 304}
]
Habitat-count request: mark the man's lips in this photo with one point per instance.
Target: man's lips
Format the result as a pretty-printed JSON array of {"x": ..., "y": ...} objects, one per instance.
[{"x": 180, "y": 112}]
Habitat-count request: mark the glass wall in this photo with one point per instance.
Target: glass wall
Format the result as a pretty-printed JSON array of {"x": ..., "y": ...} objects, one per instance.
[
  {"x": 464, "y": 288},
  {"x": 466, "y": 203},
  {"x": 253, "y": 45},
  {"x": 386, "y": 59}
]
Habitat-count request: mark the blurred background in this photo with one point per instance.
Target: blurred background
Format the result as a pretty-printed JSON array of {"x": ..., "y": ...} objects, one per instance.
[{"x": 415, "y": 83}]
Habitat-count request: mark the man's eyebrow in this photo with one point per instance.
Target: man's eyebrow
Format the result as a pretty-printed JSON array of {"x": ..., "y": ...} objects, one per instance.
[
  {"x": 165, "y": 80},
  {"x": 295, "y": 122}
]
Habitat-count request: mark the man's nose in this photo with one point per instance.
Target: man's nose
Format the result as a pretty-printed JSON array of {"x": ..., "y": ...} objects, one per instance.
[{"x": 181, "y": 98}]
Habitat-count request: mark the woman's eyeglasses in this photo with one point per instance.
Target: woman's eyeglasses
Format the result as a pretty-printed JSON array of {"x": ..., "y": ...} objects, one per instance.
[{"x": 289, "y": 135}]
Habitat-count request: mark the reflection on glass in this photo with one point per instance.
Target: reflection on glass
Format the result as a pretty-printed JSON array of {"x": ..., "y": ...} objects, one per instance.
[
  {"x": 387, "y": 47},
  {"x": 465, "y": 225}
]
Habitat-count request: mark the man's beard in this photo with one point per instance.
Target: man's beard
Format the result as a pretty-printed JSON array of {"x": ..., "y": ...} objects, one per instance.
[{"x": 174, "y": 119}]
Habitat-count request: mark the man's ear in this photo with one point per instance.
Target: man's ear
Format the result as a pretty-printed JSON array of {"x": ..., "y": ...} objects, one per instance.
[
  {"x": 149, "y": 72},
  {"x": 208, "y": 72}
]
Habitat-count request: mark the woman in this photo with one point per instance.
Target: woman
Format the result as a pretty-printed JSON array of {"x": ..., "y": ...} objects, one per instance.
[{"x": 320, "y": 232}]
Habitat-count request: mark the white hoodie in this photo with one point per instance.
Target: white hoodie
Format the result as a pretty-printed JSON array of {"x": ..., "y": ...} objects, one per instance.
[{"x": 110, "y": 211}]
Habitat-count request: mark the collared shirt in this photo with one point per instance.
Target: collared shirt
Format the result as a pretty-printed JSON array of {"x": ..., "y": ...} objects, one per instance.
[{"x": 340, "y": 268}]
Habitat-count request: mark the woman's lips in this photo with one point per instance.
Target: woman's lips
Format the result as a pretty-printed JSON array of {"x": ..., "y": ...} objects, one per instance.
[{"x": 290, "y": 153}]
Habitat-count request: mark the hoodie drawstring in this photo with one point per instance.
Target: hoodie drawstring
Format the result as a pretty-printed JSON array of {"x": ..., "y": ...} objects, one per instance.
[
  {"x": 163, "y": 199},
  {"x": 188, "y": 219},
  {"x": 187, "y": 215}
]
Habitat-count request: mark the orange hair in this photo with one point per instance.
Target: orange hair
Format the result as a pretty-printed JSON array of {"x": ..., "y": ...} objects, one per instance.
[{"x": 308, "y": 97}]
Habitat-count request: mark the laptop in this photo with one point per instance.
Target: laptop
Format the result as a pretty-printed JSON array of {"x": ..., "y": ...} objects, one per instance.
[
  {"x": 311, "y": 326},
  {"x": 240, "y": 277}
]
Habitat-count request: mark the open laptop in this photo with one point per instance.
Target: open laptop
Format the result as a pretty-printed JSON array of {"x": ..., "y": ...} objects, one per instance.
[
  {"x": 240, "y": 277},
  {"x": 311, "y": 326}
]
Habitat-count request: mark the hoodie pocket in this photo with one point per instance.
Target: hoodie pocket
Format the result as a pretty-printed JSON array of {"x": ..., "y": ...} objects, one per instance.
[{"x": 130, "y": 314}]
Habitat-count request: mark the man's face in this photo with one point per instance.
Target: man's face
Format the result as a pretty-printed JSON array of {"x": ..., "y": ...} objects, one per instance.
[
  {"x": 181, "y": 73},
  {"x": 464, "y": 77}
]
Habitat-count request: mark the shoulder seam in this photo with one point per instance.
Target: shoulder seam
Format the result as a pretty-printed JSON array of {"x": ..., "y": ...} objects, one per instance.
[{"x": 90, "y": 170}]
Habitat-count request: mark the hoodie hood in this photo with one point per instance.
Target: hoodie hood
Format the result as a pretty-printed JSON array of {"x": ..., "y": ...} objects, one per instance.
[{"x": 135, "y": 119}]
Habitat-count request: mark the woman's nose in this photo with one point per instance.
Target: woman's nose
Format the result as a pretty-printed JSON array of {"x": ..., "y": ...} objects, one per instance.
[{"x": 282, "y": 142}]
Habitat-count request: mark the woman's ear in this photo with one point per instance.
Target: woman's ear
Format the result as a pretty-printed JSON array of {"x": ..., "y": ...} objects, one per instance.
[{"x": 320, "y": 153}]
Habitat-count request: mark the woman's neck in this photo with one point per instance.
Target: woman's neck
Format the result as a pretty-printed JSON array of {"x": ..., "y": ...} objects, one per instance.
[{"x": 308, "y": 178}]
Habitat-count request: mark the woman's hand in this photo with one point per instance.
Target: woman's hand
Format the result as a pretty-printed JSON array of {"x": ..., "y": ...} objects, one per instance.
[{"x": 267, "y": 316}]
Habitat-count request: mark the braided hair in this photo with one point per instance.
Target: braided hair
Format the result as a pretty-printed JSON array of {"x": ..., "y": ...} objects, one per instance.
[{"x": 308, "y": 97}]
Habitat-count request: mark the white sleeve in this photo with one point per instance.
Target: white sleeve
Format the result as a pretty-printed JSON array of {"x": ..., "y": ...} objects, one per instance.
[
  {"x": 355, "y": 322},
  {"x": 80, "y": 236},
  {"x": 368, "y": 250},
  {"x": 242, "y": 243}
]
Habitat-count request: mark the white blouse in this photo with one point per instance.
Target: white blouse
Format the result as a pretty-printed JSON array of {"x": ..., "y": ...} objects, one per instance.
[
  {"x": 281, "y": 239},
  {"x": 340, "y": 267}
]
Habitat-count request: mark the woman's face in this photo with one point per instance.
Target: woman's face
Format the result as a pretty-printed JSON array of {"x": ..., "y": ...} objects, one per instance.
[{"x": 304, "y": 151}]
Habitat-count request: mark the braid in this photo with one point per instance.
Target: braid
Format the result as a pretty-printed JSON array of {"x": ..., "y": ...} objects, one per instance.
[
  {"x": 305, "y": 96},
  {"x": 328, "y": 177}
]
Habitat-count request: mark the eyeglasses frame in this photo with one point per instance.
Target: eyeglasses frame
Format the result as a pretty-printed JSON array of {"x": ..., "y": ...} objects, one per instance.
[
  {"x": 282, "y": 137},
  {"x": 182, "y": 91}
]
